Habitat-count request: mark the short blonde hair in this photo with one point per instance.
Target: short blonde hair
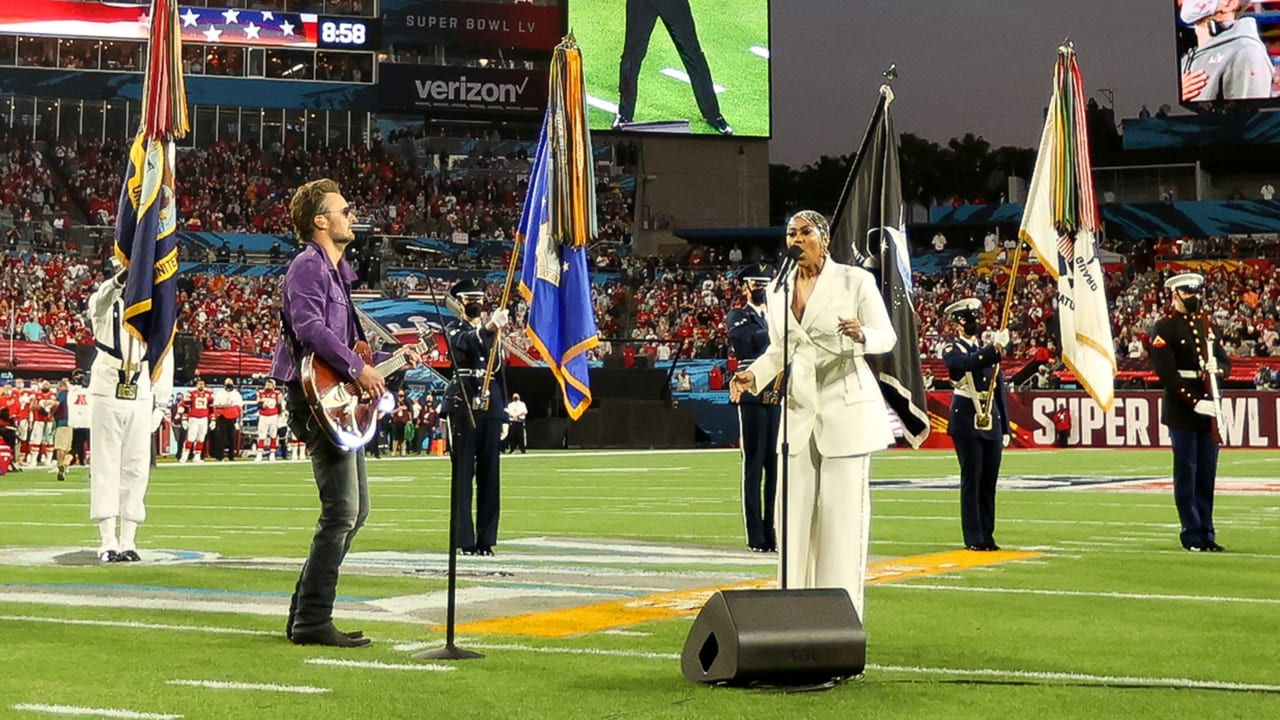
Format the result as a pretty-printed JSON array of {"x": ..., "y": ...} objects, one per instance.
[{"x": 306, "y": 204}]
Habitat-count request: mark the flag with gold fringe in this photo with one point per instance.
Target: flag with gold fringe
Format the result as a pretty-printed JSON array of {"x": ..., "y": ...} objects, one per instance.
[
  {"x": 147, "y": 221},
  {"x": 1062, "y": 224},
  {"x": 558, "y": 220}
]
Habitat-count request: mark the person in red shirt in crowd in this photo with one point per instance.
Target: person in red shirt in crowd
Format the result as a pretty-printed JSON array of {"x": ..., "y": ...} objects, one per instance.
[
  {"x": 1061, "y": 425},
  {"x": 199, "y": 407},
  {"x": 716, "y": 379},
  {"x": 270, "y": 401}
]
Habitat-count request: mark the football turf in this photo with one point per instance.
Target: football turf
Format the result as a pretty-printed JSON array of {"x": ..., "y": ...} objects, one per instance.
[
  {"x": 732, "y": 40},
  {"x": 1105, "y": 615}
]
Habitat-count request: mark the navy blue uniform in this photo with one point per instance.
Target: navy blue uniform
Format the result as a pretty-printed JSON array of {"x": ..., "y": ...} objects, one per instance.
[
  {"x": 677, "y": 17},
  {"x": 475, "y": 451},
  {"x": 749, "y": 336},
  {"x": 970, "y": 366},
  {"x": 1178, "y": 344}
]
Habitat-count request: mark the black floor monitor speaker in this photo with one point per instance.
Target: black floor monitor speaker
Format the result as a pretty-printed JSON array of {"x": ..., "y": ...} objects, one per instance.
[{"x": 779, "y": 637}]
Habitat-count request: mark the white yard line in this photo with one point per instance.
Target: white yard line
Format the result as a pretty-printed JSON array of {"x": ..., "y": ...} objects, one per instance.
[
  {"x": 375, "y": 665},
  {"x": 211, "y": 629},
  {"x": 265, "y": 687},
  {"x": 77, "y": 711},
  {"x": 919, "y": 670},
  {"x": 683, "y": 77},
  {"x": 759, "y": 51},
  {"x": 1084, "y": 593}
]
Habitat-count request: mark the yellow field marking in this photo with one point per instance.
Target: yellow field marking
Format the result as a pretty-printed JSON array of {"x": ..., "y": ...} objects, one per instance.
[{"x": 686, "y": 603}]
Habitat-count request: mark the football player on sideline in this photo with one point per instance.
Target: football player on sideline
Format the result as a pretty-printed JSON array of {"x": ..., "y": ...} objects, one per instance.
[{"x": 270, "y": 400}]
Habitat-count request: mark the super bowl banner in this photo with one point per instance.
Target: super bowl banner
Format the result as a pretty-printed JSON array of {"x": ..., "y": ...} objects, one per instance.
[
  {"x": 414, "y": 23},
  {"x": 1251, "y": 419}
]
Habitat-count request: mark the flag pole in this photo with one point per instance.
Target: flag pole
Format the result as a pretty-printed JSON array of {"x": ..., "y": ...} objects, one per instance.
[
  {"x": 496, "y": 350},
  {"x": 983, "y": 416}
]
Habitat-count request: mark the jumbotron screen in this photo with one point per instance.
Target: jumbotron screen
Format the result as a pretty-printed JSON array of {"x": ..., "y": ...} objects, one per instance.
[
  {"x": 696, "y": 67},
  {"x": 1228, "y": 51}
]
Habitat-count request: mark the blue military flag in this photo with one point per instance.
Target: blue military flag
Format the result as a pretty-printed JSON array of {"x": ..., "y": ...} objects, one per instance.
[
  {"x": 558, "y": 220},
  {"x": 148, "y": 218}
]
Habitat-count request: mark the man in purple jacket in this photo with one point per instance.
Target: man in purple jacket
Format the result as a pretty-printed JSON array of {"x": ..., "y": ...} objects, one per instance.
[{"x": 319, "y": 318}]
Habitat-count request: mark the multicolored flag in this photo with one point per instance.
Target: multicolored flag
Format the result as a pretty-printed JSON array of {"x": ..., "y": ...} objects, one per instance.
[
  {"x": 868, "y": 230},
  {"x": 148, "y": 219},
  {"x": 558, "y": 221},
  {"x": 1062, "y": 225}
]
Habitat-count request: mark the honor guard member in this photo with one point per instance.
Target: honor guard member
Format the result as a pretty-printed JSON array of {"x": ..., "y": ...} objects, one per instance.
[
  {"x": 1191, "y": 363},
  {"x": 979, "y": 422},
  {"x": 126, "y": 408},
  {"x": 758, "y": 415},
  {"x": 475, "y": 419}
]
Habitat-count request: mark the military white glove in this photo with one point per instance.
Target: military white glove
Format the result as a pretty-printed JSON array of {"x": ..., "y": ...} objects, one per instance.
[
  {"x": 1001, "y": 338},
  {"x": 499, "y": 319},
  {"x": 1006, "y": 440},
  {"x": 1206, "y": 407}
]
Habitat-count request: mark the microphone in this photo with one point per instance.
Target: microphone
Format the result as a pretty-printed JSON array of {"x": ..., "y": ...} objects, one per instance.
[{"x": 788, "y": 264}]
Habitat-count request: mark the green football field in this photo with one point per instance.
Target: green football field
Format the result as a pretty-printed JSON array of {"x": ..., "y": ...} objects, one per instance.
[
  {"x": 1092, "y": 609},
  {"x": 734, "y": 38}
]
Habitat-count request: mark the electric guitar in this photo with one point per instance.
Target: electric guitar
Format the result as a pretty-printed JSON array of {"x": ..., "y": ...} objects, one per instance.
[{"x": 346, "y": 415}]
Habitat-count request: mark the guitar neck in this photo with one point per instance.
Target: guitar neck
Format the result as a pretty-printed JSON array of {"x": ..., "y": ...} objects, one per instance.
[{"x": 391, "y": 364}]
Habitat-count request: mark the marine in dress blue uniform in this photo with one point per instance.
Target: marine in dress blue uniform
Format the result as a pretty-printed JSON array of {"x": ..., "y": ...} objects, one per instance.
[
  {"x": 979, "y": 445},
  {"x": 475, "y": 448},
  {"x": 1181, "y": 343},
  {"x": 758, "y": 414}
]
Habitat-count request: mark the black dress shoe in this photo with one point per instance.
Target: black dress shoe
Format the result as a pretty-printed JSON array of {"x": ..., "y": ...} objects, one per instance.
[
  {"x": 108, "y": 556},
  {"x": 327, "y": 635},
  {"x": 469, "y": 551},
  {"x": 619, "y": 121},
  {"x": 486, "y": 551},
  {"x": 758, "y": 548},
  {"x": 974, "y": 548},
  {"x": 1195, "y": 548},
  {"x": 992, "y": 546},
  {"x": 129, "y": 556},
  {"x": 721, "y": 126},
  {"x": 1212, "y": 546}
]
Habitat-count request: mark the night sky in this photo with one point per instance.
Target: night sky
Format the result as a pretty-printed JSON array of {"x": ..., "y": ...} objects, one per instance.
[{"x": 980, "y": 66}]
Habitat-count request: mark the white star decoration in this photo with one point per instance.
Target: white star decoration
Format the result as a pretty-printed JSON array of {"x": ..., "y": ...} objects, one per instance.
[
  {"x": 251, "y": 31},
  {"x": 190, "y": 18},
  {"x": 268, "y": 15},
  {"x": 232, "y": 16},
  {"x": 286, "y": 27},
  {"x": 213, "y": 34}
]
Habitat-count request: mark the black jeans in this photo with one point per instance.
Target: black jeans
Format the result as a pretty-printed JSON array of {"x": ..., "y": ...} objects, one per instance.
[{"x": 344, "y": 506}]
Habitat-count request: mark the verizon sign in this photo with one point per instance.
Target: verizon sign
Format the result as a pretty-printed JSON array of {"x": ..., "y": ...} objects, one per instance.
[
  {"x": 1250, "y": 419},
  {"x": 402, "y": 87}
]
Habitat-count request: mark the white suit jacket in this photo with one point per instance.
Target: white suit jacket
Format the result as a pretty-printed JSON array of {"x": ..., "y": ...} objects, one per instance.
[{"x": 833, "y": 394}]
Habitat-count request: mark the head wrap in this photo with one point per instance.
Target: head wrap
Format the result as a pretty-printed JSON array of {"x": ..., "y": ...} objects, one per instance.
[{"x": 817, "y": 220}]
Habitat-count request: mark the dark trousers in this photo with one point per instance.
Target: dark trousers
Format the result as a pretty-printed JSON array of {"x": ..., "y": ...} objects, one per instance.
[
  {"x": 516, "y": 438},
  {"x": 979, "y": 467},
  {"x": 344, "y": 506},
  {"x": 225, "y": 440},
  {"x": 1195, "y": 468},
  {"x": 180, "y": 435},
  {"x": 642, "y": 15},
  {"x": 475, "y": 453},
  {"x": 759, "y": 428}
]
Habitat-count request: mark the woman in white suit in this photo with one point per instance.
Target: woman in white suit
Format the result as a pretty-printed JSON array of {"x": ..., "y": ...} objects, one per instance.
[{"x": 837, "y": 416}]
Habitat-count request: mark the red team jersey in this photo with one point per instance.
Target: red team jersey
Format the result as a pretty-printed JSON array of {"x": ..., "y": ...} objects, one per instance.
[
  {"x": 43, "y": 400},
  {"x": 200, "y": 401},
  {"x": 22, "y": 404},
  {"x": 269, "y": 402}
]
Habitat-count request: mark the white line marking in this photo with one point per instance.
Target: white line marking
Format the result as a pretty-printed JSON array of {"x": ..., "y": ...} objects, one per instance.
[
  {"x": 375, "y": 665},
  {"x": 1082, "y": 677},
  {"x": 683, "y": 77},
  {"x": 268, "y": 687},
  {"x": 93, "y": 712},
  {"x": 136, "y": 625},
  {"x": 759, "y": 51},
  {"x": 608, "y": 107},
  {"x": 1084, "y": 593},
  {"x": 980, "y": 672},
  {"x": 625, "y": 633}
]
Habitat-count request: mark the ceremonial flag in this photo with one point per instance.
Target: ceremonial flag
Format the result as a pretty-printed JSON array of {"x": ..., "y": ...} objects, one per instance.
[
  {"x": 148, "y": 217},
  {"x": 558, "y": 220},
  {"x": 868, "y": 230},
  {"x": 1062, "y": 225}
]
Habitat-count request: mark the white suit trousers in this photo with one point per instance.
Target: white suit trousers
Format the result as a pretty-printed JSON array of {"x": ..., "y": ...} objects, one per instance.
[
  {"x": 119, "y": 457},
  {"x": 827, "y": 526}
]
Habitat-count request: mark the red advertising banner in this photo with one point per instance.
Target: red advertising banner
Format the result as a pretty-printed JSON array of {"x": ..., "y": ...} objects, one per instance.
[{"x": 1251, "y": 419}]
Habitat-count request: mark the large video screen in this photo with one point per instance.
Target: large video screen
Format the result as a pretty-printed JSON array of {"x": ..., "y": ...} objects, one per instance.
[
  {"x": 1227, "y": 51},
  {"x": 696, "y": 67}
]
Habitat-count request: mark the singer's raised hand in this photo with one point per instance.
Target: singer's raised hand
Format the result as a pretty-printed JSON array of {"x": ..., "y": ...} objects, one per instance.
[
  {"x": 742, "y": 382},
  {"x": 852, "y": 328}
]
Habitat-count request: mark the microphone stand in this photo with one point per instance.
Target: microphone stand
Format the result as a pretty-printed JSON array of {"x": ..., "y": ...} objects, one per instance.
[
  {"x": 450, "y": 651},
  {"x": 783, "y": 396}
]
